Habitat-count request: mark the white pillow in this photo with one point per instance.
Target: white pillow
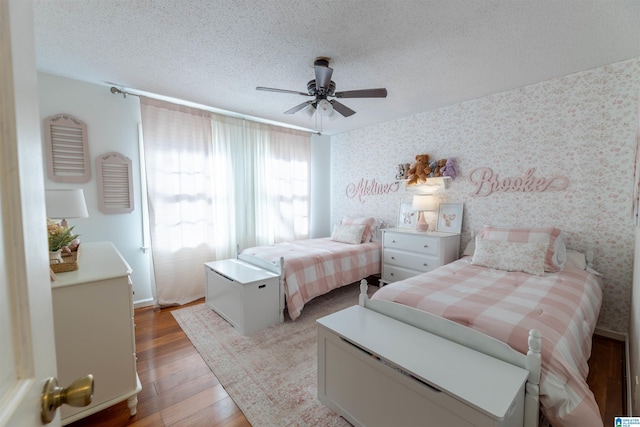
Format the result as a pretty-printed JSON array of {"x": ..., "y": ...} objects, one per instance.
[
  {"x": 510, "y": 256},
  {"x": 376, "y": 234},
  {"x": 348, "y": 233},
  {"x": 470, "y": 248},
  {"x": 576, "y": 259}
]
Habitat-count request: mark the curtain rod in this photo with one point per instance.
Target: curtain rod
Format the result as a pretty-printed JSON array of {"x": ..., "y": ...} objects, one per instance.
[{"x": 114, "y": 90}]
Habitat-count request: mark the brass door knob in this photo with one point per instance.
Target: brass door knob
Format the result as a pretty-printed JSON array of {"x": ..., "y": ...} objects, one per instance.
[{"x": 79, "y": 393}]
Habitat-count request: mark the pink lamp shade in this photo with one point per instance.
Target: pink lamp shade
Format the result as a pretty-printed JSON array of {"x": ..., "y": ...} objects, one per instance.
[
  {"x": 63, "y": 204},
  {"x": 422, "y": 203}
]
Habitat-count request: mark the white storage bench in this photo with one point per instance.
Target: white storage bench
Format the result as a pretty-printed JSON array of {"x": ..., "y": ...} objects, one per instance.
[
  {"x": 246, "y": 296},
  {"x": 376, "y": 371}
]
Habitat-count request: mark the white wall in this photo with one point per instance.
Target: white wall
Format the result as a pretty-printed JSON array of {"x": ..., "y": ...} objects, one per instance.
[{"x": 112, "y": 125}]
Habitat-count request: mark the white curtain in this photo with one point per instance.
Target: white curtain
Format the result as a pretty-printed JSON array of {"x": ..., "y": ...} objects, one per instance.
[
  {"x": 288, "y": 185},
  {"x": 214, "y": 183},
  {"x": 270, "y": 188},
  {"x": 177, "y": 145}
]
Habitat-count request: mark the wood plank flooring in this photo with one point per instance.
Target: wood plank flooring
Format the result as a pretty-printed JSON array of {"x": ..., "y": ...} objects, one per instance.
[
  {"x": 607, "y": 377},
  {"x": 179, "y": 389}
]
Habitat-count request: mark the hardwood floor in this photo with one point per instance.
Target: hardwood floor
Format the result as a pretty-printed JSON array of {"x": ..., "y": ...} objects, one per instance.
[
  {"x": 607, "y": 377},
  {"x": 179, "y": 389}
]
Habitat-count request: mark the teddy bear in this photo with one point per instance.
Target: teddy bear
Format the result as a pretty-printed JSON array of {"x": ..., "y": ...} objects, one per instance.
[
  {"x": 419, "y": 171},
  {"x": 402, "y": 171},
  {"x": 450, "y": 169},
  {"x": 437, "y": 171},
  {"x": 433, "y": 165}
]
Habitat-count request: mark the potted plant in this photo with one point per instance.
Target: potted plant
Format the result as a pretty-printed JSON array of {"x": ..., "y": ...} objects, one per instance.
[{"x": 59, "y": 238}]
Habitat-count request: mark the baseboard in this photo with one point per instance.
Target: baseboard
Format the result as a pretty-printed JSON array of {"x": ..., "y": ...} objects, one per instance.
[
  {"x": 143, "y": 303},
  {"x": 630, "y": 396},
  {"x": 614, "y": 335},
  {"x": 621, "y": 336}
]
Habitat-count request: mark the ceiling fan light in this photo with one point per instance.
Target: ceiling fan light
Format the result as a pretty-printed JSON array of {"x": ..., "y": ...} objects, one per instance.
[
  {"x": 309, "y": 110},
  {"x": 324, "y": 108}
]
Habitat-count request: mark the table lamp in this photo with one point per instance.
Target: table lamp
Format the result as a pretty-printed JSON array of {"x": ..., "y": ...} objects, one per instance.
[
  {"x": 63, "y": 204},
  {"x": 421, "y": 204}
]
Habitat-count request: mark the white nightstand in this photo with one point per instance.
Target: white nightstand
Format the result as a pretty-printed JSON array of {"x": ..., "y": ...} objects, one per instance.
[{"x": 407, "y": 252}]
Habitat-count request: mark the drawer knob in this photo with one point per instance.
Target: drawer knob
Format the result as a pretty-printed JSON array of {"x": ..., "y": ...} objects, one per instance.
[
  {"x": 425, "y": 264},
  {"x": 393, "y": 257},
  {"x": 393, "y": 241},
  {"x": 390, "y": 274},
  {"x": 426, "y": 246}
]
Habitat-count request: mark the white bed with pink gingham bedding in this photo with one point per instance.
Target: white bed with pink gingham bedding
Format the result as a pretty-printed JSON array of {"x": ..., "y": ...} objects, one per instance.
[
  {"x": 313, "y": 267},
  {"x": 563, "y": 306}
]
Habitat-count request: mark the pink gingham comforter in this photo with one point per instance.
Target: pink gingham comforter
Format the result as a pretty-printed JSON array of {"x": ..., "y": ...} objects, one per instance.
[
  {"x": 564, "y": 306},
  {"x": 313, "y": 267}
]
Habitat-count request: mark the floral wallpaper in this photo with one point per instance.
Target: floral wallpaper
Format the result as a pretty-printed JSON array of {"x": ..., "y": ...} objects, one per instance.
[{"x": 581, "y": 126}]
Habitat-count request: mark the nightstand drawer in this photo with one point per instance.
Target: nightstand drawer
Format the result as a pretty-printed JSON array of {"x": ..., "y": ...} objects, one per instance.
[
  {"x": 419, "y": 244},
  {"x": 409, "y": 260}
]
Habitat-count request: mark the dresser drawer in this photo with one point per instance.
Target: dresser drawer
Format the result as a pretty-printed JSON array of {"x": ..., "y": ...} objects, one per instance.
[
  {"x": 410, "y": 260},
  {"x": 420, "y": 244},
  {"x": 393, "y": 273}
]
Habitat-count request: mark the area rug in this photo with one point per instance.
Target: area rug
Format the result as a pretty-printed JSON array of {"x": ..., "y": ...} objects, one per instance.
[{"x": 272, "y": 374}]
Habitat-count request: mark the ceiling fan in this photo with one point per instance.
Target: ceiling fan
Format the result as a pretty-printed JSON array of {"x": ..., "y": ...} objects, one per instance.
[{"x": 322, "y": 88}]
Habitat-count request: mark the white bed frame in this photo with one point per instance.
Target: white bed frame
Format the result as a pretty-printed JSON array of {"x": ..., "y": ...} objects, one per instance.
[
  {"x": 472, "y": 339},
  {"x": 277, "y": 268}
]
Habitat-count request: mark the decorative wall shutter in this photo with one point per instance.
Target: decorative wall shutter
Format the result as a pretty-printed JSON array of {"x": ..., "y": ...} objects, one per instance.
[
  {"x": 115, "y": 186},
  {"x": 67, "y": 150}
]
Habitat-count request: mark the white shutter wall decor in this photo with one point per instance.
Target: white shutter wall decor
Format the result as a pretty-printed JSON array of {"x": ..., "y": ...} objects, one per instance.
[
  {"x": 115, "y": 186},
  {"x": 67, "y": 149}
]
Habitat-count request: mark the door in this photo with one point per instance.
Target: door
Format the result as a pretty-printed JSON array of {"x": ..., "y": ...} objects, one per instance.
[{"x": 27, "y": 353}]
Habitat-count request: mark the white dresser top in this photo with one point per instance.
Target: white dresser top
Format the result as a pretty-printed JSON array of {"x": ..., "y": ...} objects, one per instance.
[
  {"x": 481, "y": 381},
  {"x": 96, "y": 261}
]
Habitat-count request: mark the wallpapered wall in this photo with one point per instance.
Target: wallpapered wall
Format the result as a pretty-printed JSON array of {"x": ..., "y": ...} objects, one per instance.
[{"x": 582, "y": 126}]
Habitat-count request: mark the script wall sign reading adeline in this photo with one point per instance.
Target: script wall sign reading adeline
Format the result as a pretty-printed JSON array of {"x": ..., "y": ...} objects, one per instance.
[{"x": 365, "y": 188}]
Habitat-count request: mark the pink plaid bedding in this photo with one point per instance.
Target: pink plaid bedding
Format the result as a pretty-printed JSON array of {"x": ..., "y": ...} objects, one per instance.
[
  {"x": 313, "y": 267},
  {"x": 563, "y": 306}
]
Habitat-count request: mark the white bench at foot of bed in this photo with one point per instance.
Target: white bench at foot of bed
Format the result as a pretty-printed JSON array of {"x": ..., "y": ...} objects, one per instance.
[
  {"x": 381, "y": 363},
  {"x": 277, "y": 268}
]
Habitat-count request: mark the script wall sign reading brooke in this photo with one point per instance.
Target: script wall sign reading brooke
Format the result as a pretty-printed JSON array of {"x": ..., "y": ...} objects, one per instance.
[
  {"x": 487, "y": 182},
  {"x": 366, "y": 188}
]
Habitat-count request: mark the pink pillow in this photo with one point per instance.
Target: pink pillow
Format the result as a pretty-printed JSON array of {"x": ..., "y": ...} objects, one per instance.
[
  {"x": 367, "y": 221},
  {"x": 547, "y": 235}
]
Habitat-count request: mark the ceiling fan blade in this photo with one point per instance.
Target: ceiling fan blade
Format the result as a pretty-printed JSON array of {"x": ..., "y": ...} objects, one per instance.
[
  {"x": 323, "y": 75},
  {"x": 342, "y": 109},
  {"x": 271, "y": 89},
  {"x": 362, "y": 93},
  {"x": 299, "y": 107}
]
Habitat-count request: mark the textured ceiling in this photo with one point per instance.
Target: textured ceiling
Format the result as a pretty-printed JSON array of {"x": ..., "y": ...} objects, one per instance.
[{"x": 428, "y": 54}]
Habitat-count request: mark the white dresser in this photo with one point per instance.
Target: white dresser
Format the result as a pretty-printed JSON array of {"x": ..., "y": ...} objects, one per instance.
[
  {"x": 376, "y": 371},
  {"x": 407, "y": 252},
  {"x": 246, "y": 296},
  {"x": 94, "y": 329}
]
